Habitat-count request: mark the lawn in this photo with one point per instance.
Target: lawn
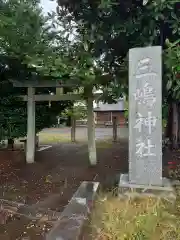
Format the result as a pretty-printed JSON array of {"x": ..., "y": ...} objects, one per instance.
[{"x": 51, "y": 138}]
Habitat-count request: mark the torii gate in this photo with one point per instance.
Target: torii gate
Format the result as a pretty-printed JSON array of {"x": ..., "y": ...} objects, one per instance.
[{"x": 31, "y": 98}]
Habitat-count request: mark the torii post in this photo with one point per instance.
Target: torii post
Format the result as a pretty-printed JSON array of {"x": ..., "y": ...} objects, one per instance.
[{"x": 31, "y": 98}]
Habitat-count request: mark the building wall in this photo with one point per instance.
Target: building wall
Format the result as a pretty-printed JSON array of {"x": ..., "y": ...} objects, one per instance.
[{"x": 105, "y": 117}]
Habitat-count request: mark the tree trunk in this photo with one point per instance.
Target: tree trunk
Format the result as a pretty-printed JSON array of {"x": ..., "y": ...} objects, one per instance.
[
  {"x": 179, "y": 124},
  {"x": 175, "y": 125},
  {"x": 168, "y": 130},
  {"x": 68, "y": 122},
  {"x": 168, "y": 133}
]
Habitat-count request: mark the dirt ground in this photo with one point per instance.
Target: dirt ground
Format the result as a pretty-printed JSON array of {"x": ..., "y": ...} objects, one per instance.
[{"x": 51, "y": 181}]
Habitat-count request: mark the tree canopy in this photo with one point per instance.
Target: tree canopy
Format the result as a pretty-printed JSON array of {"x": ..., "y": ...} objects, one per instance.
[
  {"x": 26, "y": 40},
  {"x": 110, "y": 28},
  {"x": 96, "y": 55}
]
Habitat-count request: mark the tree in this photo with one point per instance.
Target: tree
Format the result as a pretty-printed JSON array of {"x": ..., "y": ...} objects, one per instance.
[
  {"x": 13, "y": 114},
  {"x": 172, "y": 58},
  {"x": 23, "y": 30},
  {"x": 111, "y": 28},
  {"x": 79, "y": 112},
  {"x": 26, "y": 40}
]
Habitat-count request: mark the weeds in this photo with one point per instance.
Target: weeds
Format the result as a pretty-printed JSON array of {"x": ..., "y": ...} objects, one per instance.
[{"x": 141, "y": 219}]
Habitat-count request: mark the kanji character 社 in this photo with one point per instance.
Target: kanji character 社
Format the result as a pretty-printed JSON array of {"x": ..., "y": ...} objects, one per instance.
[{"x": 144, "y": 150}]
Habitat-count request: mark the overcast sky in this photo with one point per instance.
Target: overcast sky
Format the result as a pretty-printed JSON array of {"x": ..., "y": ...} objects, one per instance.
[{"x": 48, "y": 5}]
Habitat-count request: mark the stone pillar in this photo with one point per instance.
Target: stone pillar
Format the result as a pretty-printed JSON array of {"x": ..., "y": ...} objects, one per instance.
[
  {"x": 91, "y": 132},
  {"x": 73, "y": 129},
  {"x": 114, "y": 129},
  {"x": 30, "y": 149},
  {"x": 145, "y": 116}
]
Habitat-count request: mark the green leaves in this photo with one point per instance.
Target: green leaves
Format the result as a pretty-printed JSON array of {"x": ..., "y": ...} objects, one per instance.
[
  {"x": 27, "y": 41},
  {"x": 79, "y": 111},
  {"x": 172, "y": 60},
  {"x": 22, "y": 32}
]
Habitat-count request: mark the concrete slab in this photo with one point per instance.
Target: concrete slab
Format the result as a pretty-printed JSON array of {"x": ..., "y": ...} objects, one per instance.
[{"x": 74, "y": 215}]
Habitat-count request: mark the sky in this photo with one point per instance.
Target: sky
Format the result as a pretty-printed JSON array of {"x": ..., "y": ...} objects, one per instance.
[{"x": 48, "y": 5}]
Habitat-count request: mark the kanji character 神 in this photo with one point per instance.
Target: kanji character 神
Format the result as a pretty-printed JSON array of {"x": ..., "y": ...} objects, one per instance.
[
  {"x": 148, "y": 122},
  {"x": 145, "y": 95},
  {"x": 144, "y": 150}
]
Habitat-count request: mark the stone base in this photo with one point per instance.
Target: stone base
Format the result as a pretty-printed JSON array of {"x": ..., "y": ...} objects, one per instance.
[{"x": 127, "y": 189}]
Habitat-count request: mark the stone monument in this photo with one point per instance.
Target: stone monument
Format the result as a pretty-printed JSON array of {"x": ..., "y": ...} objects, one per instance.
[{"x": 145, "y": 121}]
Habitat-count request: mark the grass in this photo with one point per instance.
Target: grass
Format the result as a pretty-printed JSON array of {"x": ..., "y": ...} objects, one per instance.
[
  {"x": 50, "y": 138},
  {"x": 139, "y": 219},
  {"x": 53, "y": 138}
]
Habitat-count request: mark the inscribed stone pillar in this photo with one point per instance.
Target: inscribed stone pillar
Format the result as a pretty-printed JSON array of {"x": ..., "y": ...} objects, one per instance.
[{"x": 145, "y": 117}]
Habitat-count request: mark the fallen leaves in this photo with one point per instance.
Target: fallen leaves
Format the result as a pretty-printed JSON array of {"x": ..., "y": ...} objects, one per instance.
[{"x": 48, "y": 179}]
